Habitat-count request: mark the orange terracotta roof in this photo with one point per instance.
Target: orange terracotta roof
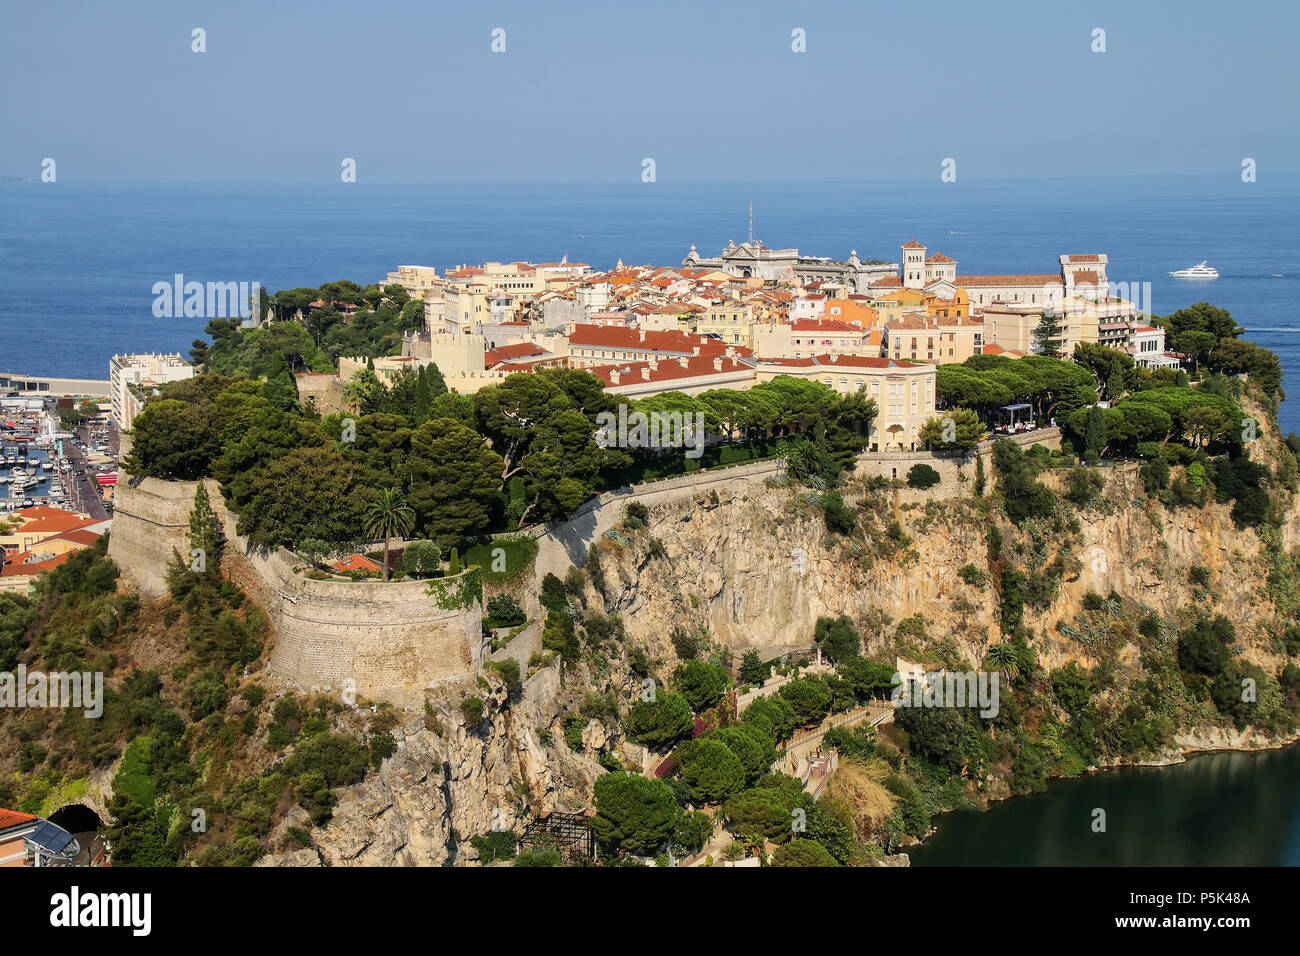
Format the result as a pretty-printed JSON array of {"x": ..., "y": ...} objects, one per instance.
[
  {"x": 669, "y": 340},
  {"x": 13, "y": 818},
  {"x": 15, "y": 569},
  {"x": 1041, "y": 279},
  {"x": 912, "y": 244},
  {"x": 356, "y": 562},
  {"x": 504, "y": 352},
  {"x": 939, "y": 257}
]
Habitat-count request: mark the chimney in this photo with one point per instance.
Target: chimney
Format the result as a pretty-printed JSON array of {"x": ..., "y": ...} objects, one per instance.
[
  {"x": 684, "y": 362},
  {"x": 717, "y": 364},
  {"x": 614, "y": 377},
  {"x": 654, "y": 362},
  {"x": 645, "y": 375},
  {"x": 641, "y": 334}
]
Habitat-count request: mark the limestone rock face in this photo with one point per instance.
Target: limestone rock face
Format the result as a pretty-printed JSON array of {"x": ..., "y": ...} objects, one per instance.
[
  {"x": 439, "y": 789},
  {"x": 757, "y": 570}
]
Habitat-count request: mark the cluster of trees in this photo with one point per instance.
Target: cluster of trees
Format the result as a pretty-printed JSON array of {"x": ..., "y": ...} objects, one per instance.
[
  {"x": 518, "y": 452},
  {"x": 349, "y": 320},
  {"x": 984, "y": 383}
]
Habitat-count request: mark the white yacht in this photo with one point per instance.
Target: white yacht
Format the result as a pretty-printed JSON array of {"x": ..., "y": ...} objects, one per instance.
[{"x": 1202, "y": 271}]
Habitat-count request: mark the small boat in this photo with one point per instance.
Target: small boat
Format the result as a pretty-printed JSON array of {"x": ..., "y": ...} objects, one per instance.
[{"x": 1201, "y": 271}]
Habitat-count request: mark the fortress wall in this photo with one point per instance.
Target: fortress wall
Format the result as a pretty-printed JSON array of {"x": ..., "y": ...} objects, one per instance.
[
  {"x": 391, "y": 639},
  {"x": 150, "y": 518}
]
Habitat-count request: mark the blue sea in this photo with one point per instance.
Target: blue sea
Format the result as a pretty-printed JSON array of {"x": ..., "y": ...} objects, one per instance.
[{"x": 78, "y": 261}]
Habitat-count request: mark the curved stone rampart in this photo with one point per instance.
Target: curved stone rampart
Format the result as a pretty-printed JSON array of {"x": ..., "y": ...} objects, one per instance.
[{"x": 392, "y": 640}]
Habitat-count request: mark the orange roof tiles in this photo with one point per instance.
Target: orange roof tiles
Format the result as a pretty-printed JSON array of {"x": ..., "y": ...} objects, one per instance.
[
  {"x": 1041, "y": 279},
  {"x": 13, "y": 818},
  {"x": 356, "y": 562}
]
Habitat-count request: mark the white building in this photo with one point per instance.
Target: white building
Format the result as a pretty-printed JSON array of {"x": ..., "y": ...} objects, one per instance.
[{"x": 145, "y": 371}]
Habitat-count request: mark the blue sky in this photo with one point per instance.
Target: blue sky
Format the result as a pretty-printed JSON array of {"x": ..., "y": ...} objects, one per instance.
[{"x": 710, "y": 90}]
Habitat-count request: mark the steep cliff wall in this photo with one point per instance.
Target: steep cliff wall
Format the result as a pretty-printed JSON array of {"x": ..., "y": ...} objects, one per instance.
[{"x": 757, "y": 567}]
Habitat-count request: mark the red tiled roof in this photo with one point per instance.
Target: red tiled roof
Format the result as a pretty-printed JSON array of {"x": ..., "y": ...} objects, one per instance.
[
  {"x": 16, "y": 569},
  {"x": 47, "y": 520},
  {"x": 625, "y": 337},
  {"x": 13, "y": 818},
  {"x": 912, "y": 244},
  {"x": 939, "y": 257},
  {"x": 1041, "y": 279},
  {"x": 668, "y": 370},
  {"x": 503, "y": 352},
  {"x": 356, "y": 562}
]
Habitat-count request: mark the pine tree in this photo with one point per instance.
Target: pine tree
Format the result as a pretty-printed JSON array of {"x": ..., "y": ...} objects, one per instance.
[
  {"x": 206, "y": 537},
  {"x": 1049, "y": 337},
  {"x": 423, "y": 396}
]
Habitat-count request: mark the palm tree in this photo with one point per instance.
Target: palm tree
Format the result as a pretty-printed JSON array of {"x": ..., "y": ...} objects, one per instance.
[
  {"x": 388, "y": 515},
  {"x": 1004, "y": 658}
]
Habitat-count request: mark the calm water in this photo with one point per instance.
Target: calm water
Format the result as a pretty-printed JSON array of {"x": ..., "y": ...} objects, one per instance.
[
  {"x": 1222, "y": 809},
  {"x": 78, "y": 260}
]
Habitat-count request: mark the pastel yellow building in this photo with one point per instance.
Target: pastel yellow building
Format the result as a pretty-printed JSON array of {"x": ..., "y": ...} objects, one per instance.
[{"x": 903, "y": 391}]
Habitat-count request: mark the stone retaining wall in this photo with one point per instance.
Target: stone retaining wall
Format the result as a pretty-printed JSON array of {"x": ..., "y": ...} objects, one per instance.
[{"x": 391, "y": 640}]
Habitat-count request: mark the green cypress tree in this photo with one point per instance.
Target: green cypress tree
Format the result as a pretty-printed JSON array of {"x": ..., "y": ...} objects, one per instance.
[{"x": 207, "y": 541}]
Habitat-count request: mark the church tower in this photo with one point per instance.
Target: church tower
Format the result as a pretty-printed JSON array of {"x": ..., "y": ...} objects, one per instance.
[{"x": 913, "y": 263}]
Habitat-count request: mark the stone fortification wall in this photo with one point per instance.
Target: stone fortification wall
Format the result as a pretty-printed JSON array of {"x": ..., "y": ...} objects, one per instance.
[{"x": 391, "y": 640}]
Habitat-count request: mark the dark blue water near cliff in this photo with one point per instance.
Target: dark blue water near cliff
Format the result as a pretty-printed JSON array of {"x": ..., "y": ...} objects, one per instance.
[
  {"x": 78, "y": 260},
  {"x": 1222, "y": 809}
]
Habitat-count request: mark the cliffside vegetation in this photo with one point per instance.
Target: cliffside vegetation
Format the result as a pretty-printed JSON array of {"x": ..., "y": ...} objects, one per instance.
[{"x": 195, "y": 755}]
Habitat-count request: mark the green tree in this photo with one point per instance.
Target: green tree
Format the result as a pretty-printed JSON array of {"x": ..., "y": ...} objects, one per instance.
[
  {"x": 802, "y": 852},
  {"x": 660, "y": 723},
  {"x": 958, "y": 428},
  {"x": 388, "y": 516},
  {"x": 633, "y": 813},
  {"x": 711, "y": 770},
  {"x": 838, "y": 638},
  {"x": 701, "y": 683},
  {"x": 206, "y": 535},
  {"x": 752, "y": 670},
  {"x": 454, "y": 481},
  {"x": 310, "y": 492},
  {"x": 1049, "y": 337}
]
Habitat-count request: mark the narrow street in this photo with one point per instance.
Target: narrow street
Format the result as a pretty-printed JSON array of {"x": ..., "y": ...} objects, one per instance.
[{"x": 83, "y": 489}]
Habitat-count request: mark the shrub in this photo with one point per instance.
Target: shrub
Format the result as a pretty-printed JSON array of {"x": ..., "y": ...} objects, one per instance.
[
  {"x": 922, "y": 475},
  {"x": 1082, "y": 485},
  {"x": 471, "y": 708},
  {"x": 552, "y": 594},
  {"x": 504, "y": 611},
  {"x": 1155, "y": 475},
  {"x": 840, "y": 519}
]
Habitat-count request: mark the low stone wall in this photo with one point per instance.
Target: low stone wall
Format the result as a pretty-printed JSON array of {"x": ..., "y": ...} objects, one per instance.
[
  {"x": 390, "y": 640},
  {"x": 951, "y": 466}
]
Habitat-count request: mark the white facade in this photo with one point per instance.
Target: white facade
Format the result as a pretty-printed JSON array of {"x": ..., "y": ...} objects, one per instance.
[{"x": 148, "y": 370}]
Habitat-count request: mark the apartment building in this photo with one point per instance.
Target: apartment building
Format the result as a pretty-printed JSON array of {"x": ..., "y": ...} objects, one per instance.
[{"x": 143, "y": 371}]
